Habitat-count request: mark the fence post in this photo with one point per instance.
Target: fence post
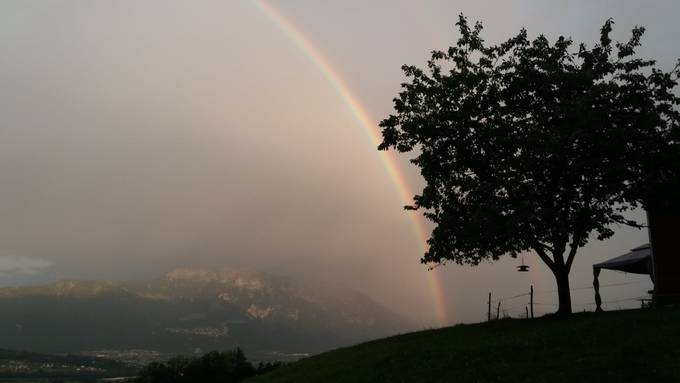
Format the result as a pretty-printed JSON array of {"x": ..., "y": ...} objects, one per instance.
[
  {"x": 526, "y": 309},
  {"x": 498, "y": 311},
  {"x": 488, "y": 313},
  {"x": 531, "y": 302}
]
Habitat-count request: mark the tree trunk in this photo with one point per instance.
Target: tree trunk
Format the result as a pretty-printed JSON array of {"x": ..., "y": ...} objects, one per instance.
[{"x": 563, "y": 292}]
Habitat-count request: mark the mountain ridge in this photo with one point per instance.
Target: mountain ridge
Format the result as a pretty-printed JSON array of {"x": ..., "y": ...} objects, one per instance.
[{"x": 188, "y": 309}]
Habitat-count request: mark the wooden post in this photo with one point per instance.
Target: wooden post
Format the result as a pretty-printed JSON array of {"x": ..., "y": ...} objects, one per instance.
[
  {"x": 527, "y": 311},
  {"x": 488, "y": 313},
  {"x": 531, "y": 301},
  {"x": 498, "y": 311}
]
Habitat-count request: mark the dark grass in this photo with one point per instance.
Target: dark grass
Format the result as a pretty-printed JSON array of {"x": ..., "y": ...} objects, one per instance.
[{"x": 622, "y": 346}]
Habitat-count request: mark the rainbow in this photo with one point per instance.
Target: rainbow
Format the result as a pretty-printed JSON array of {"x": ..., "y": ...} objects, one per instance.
[{"x": 367, "y": 123}]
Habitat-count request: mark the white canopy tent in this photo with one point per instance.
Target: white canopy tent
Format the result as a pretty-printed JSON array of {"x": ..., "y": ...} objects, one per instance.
[{"x": 637, "y": 261}]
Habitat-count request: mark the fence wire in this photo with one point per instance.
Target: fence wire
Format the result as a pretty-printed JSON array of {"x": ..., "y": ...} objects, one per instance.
[{"x": 521, "y": 309}]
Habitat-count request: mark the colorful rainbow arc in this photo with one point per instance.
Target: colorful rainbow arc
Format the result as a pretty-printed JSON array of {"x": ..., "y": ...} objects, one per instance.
[{"x": 365, "y": 121}]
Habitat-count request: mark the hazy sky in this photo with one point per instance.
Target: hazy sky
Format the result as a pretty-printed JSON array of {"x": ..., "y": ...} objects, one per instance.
[{"x": 139, "y": 136}]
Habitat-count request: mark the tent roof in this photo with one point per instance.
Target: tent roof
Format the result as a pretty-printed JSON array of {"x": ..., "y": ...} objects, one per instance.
[{"x": 638, "y": 261}]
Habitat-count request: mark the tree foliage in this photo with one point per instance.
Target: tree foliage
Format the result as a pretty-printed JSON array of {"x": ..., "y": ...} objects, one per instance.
[
  {"x": 222, "y": 367},
  {"x": 528, "y": 145}
]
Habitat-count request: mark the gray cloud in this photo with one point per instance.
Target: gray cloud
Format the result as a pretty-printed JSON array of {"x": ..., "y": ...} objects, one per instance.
[{"x": 15, "y": 265}]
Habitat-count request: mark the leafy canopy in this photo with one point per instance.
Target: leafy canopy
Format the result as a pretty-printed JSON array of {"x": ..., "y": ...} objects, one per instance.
[{"x": 532, "y": 145}]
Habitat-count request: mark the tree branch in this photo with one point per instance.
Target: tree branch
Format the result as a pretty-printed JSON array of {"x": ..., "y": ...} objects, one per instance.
[
  {"x": 573, "y": 248},
  {"x": 545, "y": 247},
  {"x": 544, "y": 257}
]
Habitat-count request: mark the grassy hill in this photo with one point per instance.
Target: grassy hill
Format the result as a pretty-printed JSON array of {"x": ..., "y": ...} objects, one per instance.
[{"x": 623, "y": 346}]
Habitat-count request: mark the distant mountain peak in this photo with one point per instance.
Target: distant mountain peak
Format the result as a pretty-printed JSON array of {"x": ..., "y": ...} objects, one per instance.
[
  {"x": 246, "y": 279},
  {"x": 191, "y": 274}
]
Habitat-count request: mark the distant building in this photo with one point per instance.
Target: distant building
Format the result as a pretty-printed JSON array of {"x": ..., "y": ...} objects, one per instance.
[{"x": 664, "y": 235}]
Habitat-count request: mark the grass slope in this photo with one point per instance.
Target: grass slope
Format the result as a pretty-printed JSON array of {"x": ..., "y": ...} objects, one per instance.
[{"x": 623, "y": 346}]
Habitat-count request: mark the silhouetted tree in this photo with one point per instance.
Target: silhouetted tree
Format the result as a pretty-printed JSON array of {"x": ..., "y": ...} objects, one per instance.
[
  {"x": 533, "y": 146},
  {"x": 263, "y": 368},
  {"x": 215, "y": 367}
]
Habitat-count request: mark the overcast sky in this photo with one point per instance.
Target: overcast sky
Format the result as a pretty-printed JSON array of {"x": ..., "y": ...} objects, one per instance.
[{"x": 140, "y": 136}]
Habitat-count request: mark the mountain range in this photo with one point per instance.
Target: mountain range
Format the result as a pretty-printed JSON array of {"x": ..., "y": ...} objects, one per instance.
[{"x": 191, "y": 310}]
